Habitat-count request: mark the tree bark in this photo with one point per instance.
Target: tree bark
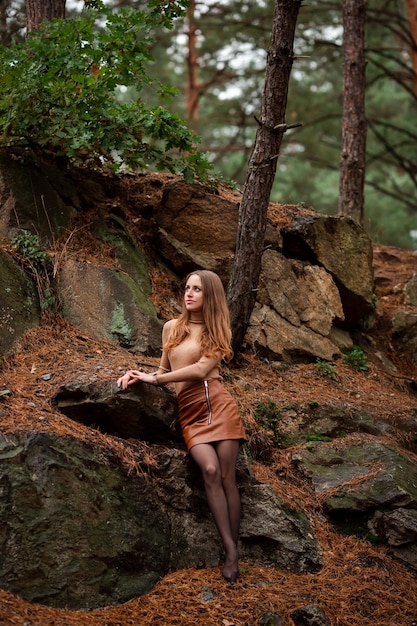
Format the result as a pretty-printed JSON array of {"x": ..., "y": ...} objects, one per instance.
[
  {"x": 352, "y": 160},
  {"x": 412, "y": 28},
  {"x": 39, "y": 10},
  {"x": 192, "y": 90},
  {"x": 261, "y": 171}
]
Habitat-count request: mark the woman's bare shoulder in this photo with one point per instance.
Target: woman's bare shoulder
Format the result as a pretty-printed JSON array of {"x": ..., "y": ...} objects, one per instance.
[
  {"x": 169, "y": 325},
  {"x": 168, "y": 328}
]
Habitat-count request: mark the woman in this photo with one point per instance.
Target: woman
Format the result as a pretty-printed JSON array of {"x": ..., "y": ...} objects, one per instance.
[{"x": 193, "y": 347}]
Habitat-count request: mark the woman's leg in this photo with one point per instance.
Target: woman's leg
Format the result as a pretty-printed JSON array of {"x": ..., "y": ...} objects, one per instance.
[
  {"x": 227, "y": 452},
  {"x": 218, "y": 468}
]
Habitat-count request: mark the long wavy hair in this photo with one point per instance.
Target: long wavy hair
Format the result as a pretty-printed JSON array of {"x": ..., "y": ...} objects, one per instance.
[{"x": 216, "y": 335}]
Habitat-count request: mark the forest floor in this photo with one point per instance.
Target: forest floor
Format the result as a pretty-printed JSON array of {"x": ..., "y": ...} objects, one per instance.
[{"x": 359, "y": 583}]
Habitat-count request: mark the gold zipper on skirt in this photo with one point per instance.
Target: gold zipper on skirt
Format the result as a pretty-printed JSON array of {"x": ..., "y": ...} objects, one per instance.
[{"x": 205, "y": 382}]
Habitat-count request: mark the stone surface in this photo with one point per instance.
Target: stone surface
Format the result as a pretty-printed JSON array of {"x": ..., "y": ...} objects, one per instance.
[
  {"x": 142, "y": 412},
  {"x": 76, "y": 530},
  {"x": 197, "y": 229},
  {"x": 343, "y": 248},
  {"x": 19, "y": 303},
  {"x": 34, "y": 196},
  {"x": 276, "y": 338},
  {"x": 310, "y": 615},
  {"x": 110, "y": 305}
]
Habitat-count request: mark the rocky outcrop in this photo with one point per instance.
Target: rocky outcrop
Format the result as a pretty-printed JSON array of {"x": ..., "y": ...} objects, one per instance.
[
  {"x": 19, "y": 303},
  {"x": 78, "y": 530},
  {"x": 297, "y": 306},
  {"x": 142, "y": 412},
  {"x": 309, "y": 287},
  {"x": 196, "y": 229},
  {"x": 34, "y": 196},
  {"x": 109, "y": 304},
  {"x": 343, "y": 248},
  {"x": 366, "y": 485}
]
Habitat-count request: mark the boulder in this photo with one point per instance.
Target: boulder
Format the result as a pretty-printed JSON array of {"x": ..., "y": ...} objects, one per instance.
[
  {"x": 404, "y": 332},
  {"x": 143, "y": 412},
  {"x": 197, "y": 229},
  {"x": 303, "y": 294},
  {"x": 343, "y": 248},
  {"x": 276, "y": 338},
  {"x": 310, "y": 615},
  {"x": 388, "y": 477},
  {"x": 399, "y": 530},
  {"x": 297, "y": 305},
  {"x": 410, "y": 291},
  {"x": 34, "y": 196},
  {"x": 367, "y": 483},
  {"x": 76, "y": 530},
  {"x": 19, "y": 303},
  {"x": 109, "y": 305}
]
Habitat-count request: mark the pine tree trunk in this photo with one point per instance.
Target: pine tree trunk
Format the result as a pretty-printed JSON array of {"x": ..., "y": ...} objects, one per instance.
[
  {"x": 352, "y": 161},
  {"x": 39, "y": 10},
  {"x": 261, "y": 172},
  {"x": 192, "y": 90},
  {"x": 412, "y": 27}
]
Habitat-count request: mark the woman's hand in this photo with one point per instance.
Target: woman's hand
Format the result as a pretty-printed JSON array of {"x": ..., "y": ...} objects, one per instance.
[{"x": 135, "y": 376}]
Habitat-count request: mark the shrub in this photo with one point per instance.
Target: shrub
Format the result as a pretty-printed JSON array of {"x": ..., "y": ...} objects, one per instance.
[
  {"x": 356, "y": 358},
  {"x": 38, "y": 263},
  {"x": 60, "y": 93},
  {"x": 326, "y": 369}
]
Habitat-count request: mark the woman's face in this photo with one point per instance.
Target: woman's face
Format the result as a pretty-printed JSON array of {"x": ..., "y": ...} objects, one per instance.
[{"x": 193, "y": 296}]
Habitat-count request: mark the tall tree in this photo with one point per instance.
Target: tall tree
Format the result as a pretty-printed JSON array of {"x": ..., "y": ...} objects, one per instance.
[
  {"x": 261, "y": 172},
  {"x": 39, "y": 10},
  {"x": 352, "y": 161},
  {"x": 192, "y": 88},
  {"x": 412, "y": 27}
]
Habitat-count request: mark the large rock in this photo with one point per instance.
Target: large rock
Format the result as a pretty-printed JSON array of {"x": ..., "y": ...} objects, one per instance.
[
  {"x": 34, "y": 196},
  {"x": 301, "y": 293},
  {"x": 80, "y": 530},
  {"x": 399, "y": 530},
  {"x": 109, "y": 305},
  {"x": 76, "y": 530},
  {"x": 404, "y": 331},
  {"x": 19, "y": 303},
  {"x": 367, "y": 483},
  {"x": 197, "y": 229},
  {"x": 275, "y": 338},
  {"x": 297, "y": 305},
  {"x": 343, "y": 248},
  {"x": 142, "y": 412}
]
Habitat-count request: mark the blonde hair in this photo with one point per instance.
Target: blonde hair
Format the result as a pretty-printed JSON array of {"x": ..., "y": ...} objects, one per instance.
[{"x": 216, "y": 336}]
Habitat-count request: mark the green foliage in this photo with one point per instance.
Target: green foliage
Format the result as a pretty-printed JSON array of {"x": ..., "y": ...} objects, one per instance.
[
  {"x": 60, "y": 93},
  {"x": 28, "y": 245},
  {"x": 267, "y": 415},
  {"x": 355, "y": 358},
  {"x": 318, "y": 438},
  {"x": 39, "y": 264},
  {"x": 326, "y": 369}
]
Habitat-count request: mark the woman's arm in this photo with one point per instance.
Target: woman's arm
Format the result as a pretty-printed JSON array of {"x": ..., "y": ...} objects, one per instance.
[{"x": 197, "y": 371}]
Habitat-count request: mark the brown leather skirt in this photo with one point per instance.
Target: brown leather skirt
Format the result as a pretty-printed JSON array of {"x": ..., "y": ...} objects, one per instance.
[{"x": 208, "y": 413}]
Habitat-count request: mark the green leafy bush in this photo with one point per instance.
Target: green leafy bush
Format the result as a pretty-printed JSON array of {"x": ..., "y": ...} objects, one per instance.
[
  {"x": 27, "y": 244},
  {"x": 61, "y": 93},
  {"x": 39, "y": 264},
  {"x": 326, "y": 369},
  {"x": 356, "y": 358},
  {"x": 267, "y": 415}
]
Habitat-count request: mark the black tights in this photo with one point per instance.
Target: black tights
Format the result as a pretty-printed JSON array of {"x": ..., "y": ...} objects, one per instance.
[{"x": 218, "y": 464}]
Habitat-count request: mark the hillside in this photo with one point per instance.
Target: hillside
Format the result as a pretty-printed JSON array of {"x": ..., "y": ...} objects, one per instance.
[{"x": 360, "y": 584}]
